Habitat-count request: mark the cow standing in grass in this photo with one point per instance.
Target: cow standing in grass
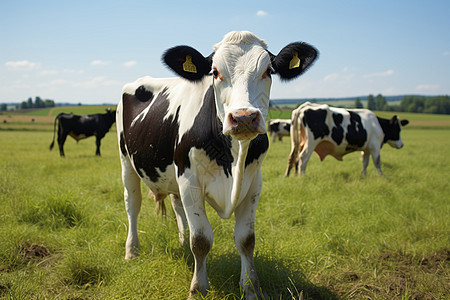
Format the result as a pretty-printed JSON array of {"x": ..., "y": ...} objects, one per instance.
[
  {"x": 202, "y": 138},
  {"x": 279, "y": 128},
  {"x": 337, "y": 132},
  {"x": 82, "y": 126}
]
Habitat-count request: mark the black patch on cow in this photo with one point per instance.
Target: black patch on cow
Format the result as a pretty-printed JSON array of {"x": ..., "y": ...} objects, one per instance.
[
  {"x": 275, "y": 127},
  {"x": 123, "y": 148},
  {"x": 287, "y": 127},
  {"x": 258, "y": 146},
  {"x": 337, "y": 132},
  {"x": 151, "y": 141},
  {"x": 143, "y": 95},
  {"x": 391, "y": 129},
  {"x": 206, "y": 134},
  {"x": 356, "y": 134},
  {"x": 315, "y": 120}
]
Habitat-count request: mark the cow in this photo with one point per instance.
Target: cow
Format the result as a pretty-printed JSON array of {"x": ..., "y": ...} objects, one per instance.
[
  {"x": 82, "y": 126},
  {"x": 279, "y": 128},
  {"x": 337, "y": 132},
  {"x": 202, "y": 137}
]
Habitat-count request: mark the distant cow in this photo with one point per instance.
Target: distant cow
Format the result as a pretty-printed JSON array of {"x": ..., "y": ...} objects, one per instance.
[
  {"x": 203, "y": 138},
  {"x": 338, "y": 131},
  {"x": 81, "y": 127},
  {"x": 279, "y": 128}
]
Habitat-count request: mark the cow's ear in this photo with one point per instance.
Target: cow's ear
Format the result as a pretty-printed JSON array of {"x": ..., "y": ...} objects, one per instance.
[
  {"x": 393, "y": 120},
  {"x": 294, "y": 59},
  {"x": 187, "y": 62},
  {"x": 404, "y": 122}
]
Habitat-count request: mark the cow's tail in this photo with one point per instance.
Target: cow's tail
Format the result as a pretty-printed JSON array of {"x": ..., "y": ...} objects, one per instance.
[{"x": 54, "y": 130}]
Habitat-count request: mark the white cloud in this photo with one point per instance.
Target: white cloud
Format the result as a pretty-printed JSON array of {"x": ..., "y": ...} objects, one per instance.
[
  {"x": 427, "y": 87},
  {"x": 331, "y": 77},
  {"x": 446, "y": 53},
  {"x": 129, "y": 64},
  {"x": 261, "y": 13},
  {"x": 99, "y": 63},
  {"x": 21, "y": 65},
  {"x": 379, "y": 74}
]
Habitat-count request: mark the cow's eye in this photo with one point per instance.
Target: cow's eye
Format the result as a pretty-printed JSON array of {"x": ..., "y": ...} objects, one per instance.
[{"x": 217, "y": 74}]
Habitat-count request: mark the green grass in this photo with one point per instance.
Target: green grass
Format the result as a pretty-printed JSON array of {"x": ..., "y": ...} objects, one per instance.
[{"x": 328, "y": 235}]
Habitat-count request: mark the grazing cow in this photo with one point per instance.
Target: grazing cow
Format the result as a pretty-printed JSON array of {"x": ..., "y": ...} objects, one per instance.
[
  {"x": 203, "y": 137},
  {"x": 338, "y": 131},
  {"x": 279, "y": 128},
  {"x": 81, "y": 127}
]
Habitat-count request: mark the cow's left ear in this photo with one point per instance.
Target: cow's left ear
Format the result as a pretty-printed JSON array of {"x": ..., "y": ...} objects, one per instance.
[
  {"x": 293, "y": 60},
  {"x": 187, "y": 62},
  {"x": 404, "y": 122}
]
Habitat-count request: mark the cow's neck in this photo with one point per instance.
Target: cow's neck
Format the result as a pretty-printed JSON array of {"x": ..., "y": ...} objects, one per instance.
[{"x": 238, "y": 170}]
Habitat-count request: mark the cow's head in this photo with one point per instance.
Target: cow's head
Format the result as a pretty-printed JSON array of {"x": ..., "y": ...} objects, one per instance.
[
  {"x": 241, "y": 68},
  {"x": 393, "y": 137}
]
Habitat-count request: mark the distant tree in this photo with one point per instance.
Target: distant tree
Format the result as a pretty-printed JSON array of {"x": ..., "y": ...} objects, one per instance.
[
  {"x": 49, "y": 103},
  {"x": 380, "y": 103},
  {"x": 358, "y": 103},
  {"x": 38, "y": 102},
  {"x": 370, "y": 102},
  {"x": 3, "y": 107},
  {"x": 29, "y": 103}
]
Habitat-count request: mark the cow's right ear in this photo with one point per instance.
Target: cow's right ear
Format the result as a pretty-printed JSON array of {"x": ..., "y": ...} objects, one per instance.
[
  {"x": 187, "y": 62},
  {"x": 293, "y": 60}
]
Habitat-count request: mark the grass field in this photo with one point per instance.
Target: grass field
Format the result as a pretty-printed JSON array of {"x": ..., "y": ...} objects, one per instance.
[{"x": 328, "y": 235}]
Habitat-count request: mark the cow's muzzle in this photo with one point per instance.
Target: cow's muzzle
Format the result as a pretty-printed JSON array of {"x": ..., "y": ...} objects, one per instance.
[{"x": 244, "y": 124}]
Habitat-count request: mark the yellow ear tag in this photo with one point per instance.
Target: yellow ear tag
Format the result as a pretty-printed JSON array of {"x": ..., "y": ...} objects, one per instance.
[
  {"x": 295, "y": 61},
  {"x": 188, "y": 65}
]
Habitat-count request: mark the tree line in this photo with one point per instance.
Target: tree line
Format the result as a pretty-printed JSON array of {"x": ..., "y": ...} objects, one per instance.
[
  {"x": 38, "y": 103},
  {"x": 415, "y": 104}
]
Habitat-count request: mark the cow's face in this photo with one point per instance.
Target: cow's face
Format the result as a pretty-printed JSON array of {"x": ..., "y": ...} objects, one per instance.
[
  {"x": 393, "y": 138},
  {"x": 241, "y": 68}
]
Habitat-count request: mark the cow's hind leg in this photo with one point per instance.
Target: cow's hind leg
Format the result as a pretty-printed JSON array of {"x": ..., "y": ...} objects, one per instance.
[
  {"x": 244, "y": 238},
  {"x": 62, "y": 136},
  {"x": 133, "y": 198},
  {"x": 180, "y": 215}
]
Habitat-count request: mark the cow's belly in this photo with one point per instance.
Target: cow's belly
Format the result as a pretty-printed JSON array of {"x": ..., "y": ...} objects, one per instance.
[
  {"x": 325, "y": 148},
  {"x": 165, "y": 184}
]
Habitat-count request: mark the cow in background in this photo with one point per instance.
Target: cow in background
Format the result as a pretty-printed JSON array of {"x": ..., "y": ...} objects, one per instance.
[
  {"x": 337, "y": 132},
  {"x": 279, "y": 128},
  {"x": 82, "y": 126},
  {"x": 202, "y": 138}
]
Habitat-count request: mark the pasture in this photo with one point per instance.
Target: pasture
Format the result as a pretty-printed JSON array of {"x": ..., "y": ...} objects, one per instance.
[{"x": 328, "y": 235}]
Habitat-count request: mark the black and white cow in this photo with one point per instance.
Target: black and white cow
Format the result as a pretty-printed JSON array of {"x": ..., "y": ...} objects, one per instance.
[
  {"x": 203, "y": 138},
  {"x": 82, "y": 126},
  {"x": 337, "y": 131},
  {"x": 279, "y": 128}
]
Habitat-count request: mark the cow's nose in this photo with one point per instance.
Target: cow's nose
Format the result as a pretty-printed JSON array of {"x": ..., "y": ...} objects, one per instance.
[
  {"x": 244, "y": 123},
  {"x": 244, "y": 120}
]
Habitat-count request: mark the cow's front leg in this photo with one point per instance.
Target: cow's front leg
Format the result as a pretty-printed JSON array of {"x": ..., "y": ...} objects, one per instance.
[
  {"x": 244, "y": 238},
  {"x": 200, "y": 233},
  {"x": 97, "y": 143},
  {"x": 365, "y": 161}
]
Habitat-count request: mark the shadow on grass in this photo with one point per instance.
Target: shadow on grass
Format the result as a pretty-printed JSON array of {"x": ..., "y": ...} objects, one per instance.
[{"x": 277, "y": 279}]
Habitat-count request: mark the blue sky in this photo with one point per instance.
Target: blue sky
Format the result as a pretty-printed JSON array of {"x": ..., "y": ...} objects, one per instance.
[{"x": 85, "y": 51}]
